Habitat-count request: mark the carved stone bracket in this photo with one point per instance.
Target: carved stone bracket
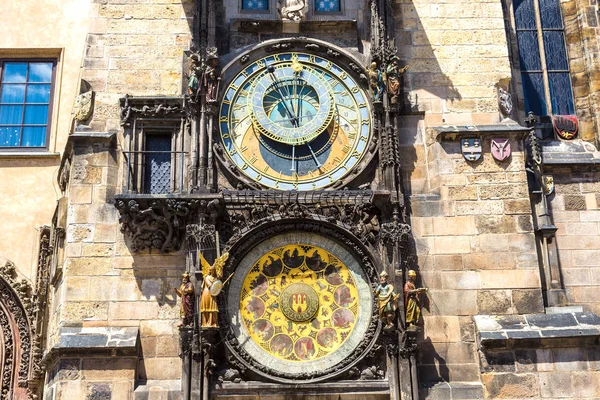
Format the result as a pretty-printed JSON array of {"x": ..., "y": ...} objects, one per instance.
[
  {"x": 160, "y": 223},
  {"x": 408, "y": 342}
]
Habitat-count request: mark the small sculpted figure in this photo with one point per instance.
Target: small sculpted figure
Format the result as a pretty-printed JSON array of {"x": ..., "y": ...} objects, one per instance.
[
  {"x": 186, "y": 292},
  {"x": 195, "y": 75},
  {"x": 211, "y": 287},
  {"x": 412, "y": 301},
  {"x": 376, "y": 82},
  {"x": 386, "y": 297},
  {"x": 211, "y": 78}
]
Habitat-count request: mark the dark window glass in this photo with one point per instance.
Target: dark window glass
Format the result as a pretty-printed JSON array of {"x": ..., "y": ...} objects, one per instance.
[
  {"x": 257, "y": 5},
  {"x": 327, "y": 5},
  {"x": 560, "y": 93},
  {"x": 157, "y": 177},
  {"x": 529, "y": 51},
  {"x": 550, "y": 14},
  {"x": 533, "y": 89},
  {"x": 554, "y": 69},
  {"x": 24, "y": 103},
  {"x": 524, "y": 14},
  {"x": 555, "y": 51}
]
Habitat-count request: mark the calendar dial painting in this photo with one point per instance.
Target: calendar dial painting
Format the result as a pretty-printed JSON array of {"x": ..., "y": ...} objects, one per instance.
[
  {"x": 295, "y": 121},
  {"x": 300, "y": 304}
]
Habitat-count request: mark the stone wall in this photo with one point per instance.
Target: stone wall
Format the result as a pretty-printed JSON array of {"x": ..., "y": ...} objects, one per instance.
[
  {"x": 475, "y": 249},
  {"x": 104, "y": 285},
  {"x": 575, "y": 209},
  {"x": 135, "y": 49},
  {"x": 456, "y": 52}
]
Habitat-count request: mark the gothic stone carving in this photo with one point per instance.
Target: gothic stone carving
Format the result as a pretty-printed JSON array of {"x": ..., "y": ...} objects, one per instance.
[
  {"x": 16, "y": 296},
  {"x": 159, "y": 223},
  {"x": 149, "y": 107}
]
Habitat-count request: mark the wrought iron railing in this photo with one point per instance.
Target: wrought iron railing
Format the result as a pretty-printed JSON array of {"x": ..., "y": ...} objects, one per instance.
[{"x": 154, "y": 172}]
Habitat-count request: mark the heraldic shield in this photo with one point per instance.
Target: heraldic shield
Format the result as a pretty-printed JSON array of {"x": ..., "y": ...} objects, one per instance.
[
  {"x": 471, "y": 149},
  {"x": 501, "y": 149},
  {"x": 565, "y": 126}
]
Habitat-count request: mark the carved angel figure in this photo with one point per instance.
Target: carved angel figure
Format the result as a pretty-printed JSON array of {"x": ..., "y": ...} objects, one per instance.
[
  {"x": 292, "y": 10},
  {"x": 211, "y": 287}
]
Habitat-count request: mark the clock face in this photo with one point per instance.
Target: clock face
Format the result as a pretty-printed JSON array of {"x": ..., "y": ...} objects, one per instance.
[
  {"x": 295, "y": 121},
  {"x": 300, "y": 303}
]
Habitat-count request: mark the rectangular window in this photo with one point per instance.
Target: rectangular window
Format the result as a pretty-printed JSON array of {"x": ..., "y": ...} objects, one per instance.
[
  {"x": 328, "y": 6},
  {"x": 255, "y": 5},
  {"x": 543, "y": 57},
  {"x": 157, "y": 175},
  {"x": 25, "y": 93}
]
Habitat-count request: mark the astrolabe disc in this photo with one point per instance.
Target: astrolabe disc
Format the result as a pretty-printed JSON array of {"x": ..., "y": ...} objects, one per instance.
[{"x": 216, "y": 288}]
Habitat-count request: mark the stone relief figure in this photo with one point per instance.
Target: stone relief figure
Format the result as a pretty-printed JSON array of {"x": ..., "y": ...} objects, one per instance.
[
  {"x": 411, "y": 299},
  {"x": 293, "y": 10},
  {"x": 376, "y": 82},
  {"x": 211, "y": 78},
  {"x": 211, "y": 287},
  {"x": 386, "y": 297},
  {"x": 186, "y": 292},
  {"x": 393, "y": 78}
]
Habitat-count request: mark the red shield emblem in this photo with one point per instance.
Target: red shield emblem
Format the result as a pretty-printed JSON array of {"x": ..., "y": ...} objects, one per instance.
[
  {"x": 500, "y": 149},
  {"x": 565, "y": 126}
]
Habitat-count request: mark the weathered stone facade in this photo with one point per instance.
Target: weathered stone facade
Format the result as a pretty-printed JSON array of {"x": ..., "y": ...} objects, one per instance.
[{"x": 509, "y": 250}]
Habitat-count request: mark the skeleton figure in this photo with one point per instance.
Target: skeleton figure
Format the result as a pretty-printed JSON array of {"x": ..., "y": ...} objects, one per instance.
[{"x": 293, "y": 10}]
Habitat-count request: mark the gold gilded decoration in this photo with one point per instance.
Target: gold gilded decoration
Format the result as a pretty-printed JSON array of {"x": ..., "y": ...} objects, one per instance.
[
  {"x": 299, "y": 302},
  {"x": 211, "y": 287}
]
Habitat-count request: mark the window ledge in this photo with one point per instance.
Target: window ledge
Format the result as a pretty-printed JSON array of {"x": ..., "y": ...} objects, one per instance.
[{"x": 28, "y": 154}]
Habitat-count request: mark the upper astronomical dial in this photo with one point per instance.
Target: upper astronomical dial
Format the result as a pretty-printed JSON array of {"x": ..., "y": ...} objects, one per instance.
[
  {"x": 294, "y": 121},
  {"x": 291, "y": 103}
]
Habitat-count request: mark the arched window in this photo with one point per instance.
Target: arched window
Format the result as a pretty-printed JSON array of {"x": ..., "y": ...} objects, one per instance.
[{"x": 543, "y": 57}]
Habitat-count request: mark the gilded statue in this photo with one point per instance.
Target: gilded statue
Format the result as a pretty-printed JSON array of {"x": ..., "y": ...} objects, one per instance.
[
  {"x": 211, "y": 287},
  {"x": 411, "y": 299},
  {"x": 386, "y": 297},
  {"x": 186, "y": 292}
]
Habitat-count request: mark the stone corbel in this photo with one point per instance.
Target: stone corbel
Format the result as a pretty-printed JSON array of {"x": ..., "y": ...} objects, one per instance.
[{"x": 160, "y": 223}]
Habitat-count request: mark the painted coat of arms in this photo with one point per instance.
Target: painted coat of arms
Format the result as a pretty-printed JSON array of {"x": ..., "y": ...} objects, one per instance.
[
  {"x": 500, "y": 149},
  {"x": 565, "y": 126},
  {"x": 471, "y": 149}
]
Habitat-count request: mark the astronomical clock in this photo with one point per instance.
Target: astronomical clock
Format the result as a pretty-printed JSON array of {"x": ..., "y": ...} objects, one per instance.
[
  {"x": 295, "y": 121},
  {"x": 307, "y": 206}
]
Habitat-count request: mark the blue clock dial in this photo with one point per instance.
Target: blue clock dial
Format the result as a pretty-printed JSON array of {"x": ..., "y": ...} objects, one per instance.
[{"x": 295, "y": 121}]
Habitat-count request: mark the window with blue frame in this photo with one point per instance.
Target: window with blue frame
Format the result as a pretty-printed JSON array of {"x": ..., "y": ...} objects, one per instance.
[
  {"x": 328, "y": 6},
  {"x": 543, "y": 57},
  {"x": 25, "y": 93},
  {"x": 255, "y": 5}
]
